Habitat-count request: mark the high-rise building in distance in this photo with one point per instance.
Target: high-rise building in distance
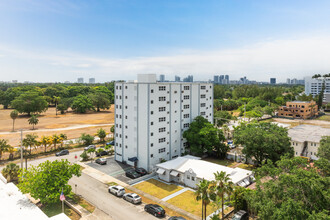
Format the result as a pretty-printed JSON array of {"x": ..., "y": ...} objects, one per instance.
[
  {"x": 161, "y": 78},
  {"x": 91, "y": 80},
  {"x": 189, "y": 78},
  {"x": 80, "y": 80},
  {"x": 272, "y": 81}
]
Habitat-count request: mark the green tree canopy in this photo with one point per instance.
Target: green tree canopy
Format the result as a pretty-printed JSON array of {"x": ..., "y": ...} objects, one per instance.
[
  {"x": 4, "y": 147},
  {"x": 14, "y": 116},
  {"x": 46, "y": 181},
  {"x": 33, "y": 121},
  {"x": 101, "y": 134},
  {"x": 81, "y": 104},
  {"x": 262, "y": 141},
  {"x": 30, "y": 102},
  {"x": 100, "y": 100},
  {"x": 87, "y": 139},
  {"x": 221, "y": 117},
  {"x": 323, "y": 152},
  {"x": 291, "y": 189}
]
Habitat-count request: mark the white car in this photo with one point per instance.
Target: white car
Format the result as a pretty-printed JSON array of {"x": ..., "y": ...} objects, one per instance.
[{"x": 117, "y": 190}]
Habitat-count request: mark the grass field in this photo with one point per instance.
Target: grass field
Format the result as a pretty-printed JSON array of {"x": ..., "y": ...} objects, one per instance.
[
  {"x": 224, "y": 162},
  {"x": 324, "y": 118},
  {"x": 187, "y": 202},
  {"x": 56, "y": 208},
  {"x": 157, "y": 188}
]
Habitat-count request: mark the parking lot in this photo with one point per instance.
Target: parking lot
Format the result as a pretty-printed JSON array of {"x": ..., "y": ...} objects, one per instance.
[{"x": 113, "y": 168}]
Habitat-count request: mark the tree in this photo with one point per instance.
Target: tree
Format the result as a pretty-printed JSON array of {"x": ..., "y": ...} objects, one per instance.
[
  {"x": 30, "y": 141},
  {"x": 33, "y": 121},
  {"x": 268, "y": 110},
  {"x": 84, "y": 156},
  {"x": 101, "y": 134},
  {"x": 56, "y": 100},
  {"x": 221, "y": 187},
  {"x": 201, "y": 136},
  {"x": 220, "y": 148},
  {"x": 112, "y": 129},
  {"x": 262, "y": 141},
  {"x": 46, "y": 140},
  {"x": 91, "y": 151},
  {"x": 323, "y": 152},
  {"x": 81, "y": 104},
  {"x": 237, "y": 198},
  {"x": 14, "y": 116},
  {"x": 55, "y": 140},
  {"x": 63, "y": 138},
  {"x": 100, "y": 100},
  {"x": 221, "y": 117},
  {"x": 30, "y": 102},
  {"x": 10, "y": 172},
  {"x": 62, "y": 108},
  {"x": 11, "y": 152},
  {"x": 4, "y": 147},
  {"x": 291, "y": 189},
  {"x": 87, "y": 139},
  {"x": 202, "y": 193},
  {"x": 47, "y": 180}
]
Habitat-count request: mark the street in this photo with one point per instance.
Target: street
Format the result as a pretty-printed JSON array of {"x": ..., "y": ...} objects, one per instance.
[{"x": 97, "y": 193}]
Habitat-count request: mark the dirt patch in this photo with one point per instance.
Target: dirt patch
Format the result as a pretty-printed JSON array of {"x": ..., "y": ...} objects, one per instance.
[{"x": 296, "y": 122}]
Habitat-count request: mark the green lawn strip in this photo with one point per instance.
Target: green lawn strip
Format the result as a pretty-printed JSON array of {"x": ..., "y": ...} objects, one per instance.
[
  {"x": 157, "y": 188},
  {"x": 56, "y": 208},
  {"x": 223, "y": 162},
  {"x": 83, "y": 203}
]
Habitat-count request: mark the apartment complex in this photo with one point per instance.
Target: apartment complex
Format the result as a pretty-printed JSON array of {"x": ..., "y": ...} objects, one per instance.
[
  {"x": 305, "y": 139},
  {"x": 314, "y": 86},
  {"x": 151, "y": 116},
  {"x": 298, "y": 109}
]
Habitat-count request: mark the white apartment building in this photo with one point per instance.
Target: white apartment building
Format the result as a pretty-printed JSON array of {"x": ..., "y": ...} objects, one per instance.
[
  {"x": 151, "y": 116},
  {"x": 314, "y": 86}
]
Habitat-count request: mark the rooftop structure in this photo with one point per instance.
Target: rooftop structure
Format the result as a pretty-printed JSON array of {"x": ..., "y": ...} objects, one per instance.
[{"x": 190, "y": 171}]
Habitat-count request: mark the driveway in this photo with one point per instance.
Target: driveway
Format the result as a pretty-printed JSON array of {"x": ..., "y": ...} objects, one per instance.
[{"x": 113, "y": 168}]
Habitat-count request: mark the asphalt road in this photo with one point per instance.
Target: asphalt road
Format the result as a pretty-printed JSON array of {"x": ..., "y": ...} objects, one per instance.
[{"x": 97, "y": 193}]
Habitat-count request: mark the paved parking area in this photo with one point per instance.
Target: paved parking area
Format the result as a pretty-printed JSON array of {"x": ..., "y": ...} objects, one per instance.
[{"x": 113, "y": 168}]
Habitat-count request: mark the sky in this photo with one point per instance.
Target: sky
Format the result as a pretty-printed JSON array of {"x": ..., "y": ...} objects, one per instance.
[{"x": 57, "y": 41}]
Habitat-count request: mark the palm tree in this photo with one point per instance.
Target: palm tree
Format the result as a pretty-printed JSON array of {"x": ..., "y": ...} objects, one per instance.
[
  {"x": 4, "y": 147},
  {"x": 222, "y": 186},
  {"x": 14, "y": 115},
  {"x": 202, "y": 193},
  {"x": 11, "y": 152},
  {"x": 33, "y": 121},
  {"x": 63, "y": 137},
  {"x": 10, "y": 172},
  {"x": 56, "y": 139},
  {"x": 46, "y": 140},
  {"x": 30, "y": 140},
  {"x": 56, "y": 99}
]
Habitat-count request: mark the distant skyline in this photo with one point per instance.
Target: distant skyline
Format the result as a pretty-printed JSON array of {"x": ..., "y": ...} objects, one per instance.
[{"x": 47, "y": 41}]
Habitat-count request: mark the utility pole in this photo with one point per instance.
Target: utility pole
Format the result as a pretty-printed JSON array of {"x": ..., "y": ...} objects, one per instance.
[{"x": 22, "y": 149}]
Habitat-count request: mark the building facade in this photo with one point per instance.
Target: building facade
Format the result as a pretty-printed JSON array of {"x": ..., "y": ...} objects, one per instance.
[
  {"x": 80, "y": 80},
  {"x": 298, "y": 109},
  {"x": 314, "y": 86},
  {"x": 272, "y": 81},
  {"x": 150, "y": 118},
  {"x": 91, "y": 80}
]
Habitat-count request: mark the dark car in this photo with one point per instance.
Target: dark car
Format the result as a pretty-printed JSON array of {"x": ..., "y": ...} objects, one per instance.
[
  {"x": 141, "y": 171},
  {"x": 111, "y": 143},
  {"x": 241, "y": 215},
  {"x": 101, "y": 161},
  {"x": 155, "y": 210},
  {"x": 102, "y": 153},
  {"x": 132, "y": 174},
  {"x": 62, "y": 152},
  {"x": 177, "y": 218}
]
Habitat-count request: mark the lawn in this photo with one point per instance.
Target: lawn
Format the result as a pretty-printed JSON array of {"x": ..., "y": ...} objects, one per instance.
[
  {"x": 83, "y": 203},
  {"x": 157, "y": 188},
  {"x": 56, "y": 208},
  {"x": 187, "y": 202},
  {"x": 246, "y": 166},
  {"x": 324, "y": 118},
  {"x": 224, "y": 162}
]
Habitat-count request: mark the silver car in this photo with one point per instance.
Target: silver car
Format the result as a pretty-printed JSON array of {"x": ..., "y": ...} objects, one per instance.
[
  {"x": 132, "y": 197},
  {"x": 117, "y": 190}
]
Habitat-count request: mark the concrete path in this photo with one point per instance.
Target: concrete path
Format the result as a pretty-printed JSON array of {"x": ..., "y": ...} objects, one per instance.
[{"x": 175, "y": 194}]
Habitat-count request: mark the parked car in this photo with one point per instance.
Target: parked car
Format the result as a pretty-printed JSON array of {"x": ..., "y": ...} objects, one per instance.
[
  {"x": 176, "y": 218},
  {"x": 89, "y": 147},
  {"x": 102, "y": 153},
  {"x": 241, "y": 215},
  {"x": 232, "y": 146},
  {"x": 117, "y": 190},
  {"x": 132, "y": 174},
  {"x": 155, "y": 210},
  {"x": 132, "y": 197},
  {"x": 101, "y": 161},
  {"x": 141, "y": 171},
  {"x": 62, "y": 152},
  {"x": 111, "y": 143}
]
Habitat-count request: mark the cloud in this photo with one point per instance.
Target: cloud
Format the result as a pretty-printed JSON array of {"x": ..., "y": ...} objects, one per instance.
[{"x": 275, "y": 58}]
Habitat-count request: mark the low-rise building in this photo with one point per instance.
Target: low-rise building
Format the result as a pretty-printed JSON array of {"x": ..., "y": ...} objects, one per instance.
[
  {"x": 298, "y": 109},
  {"x": 305, "y": 139},
  {"x": 189, "y": 171}
]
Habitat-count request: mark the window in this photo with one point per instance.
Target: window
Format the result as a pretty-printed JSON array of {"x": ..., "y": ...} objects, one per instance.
[
  {"x": 161, "y": 140},
  {"x": 202, "y": 104},
  {"x": 186, "y": 97},
  {"x": 193, "y": 178},
  {"x": 161, "y": 150},
  {"x": 151, "y": 134},
  {"x": 152, "y": 101},
  {"x": 152, "y": 112},
  {"x": 126, "y": 127},
  {"x": 125, "y": 116},
  {"x": 186, "y": 87},
  {"x": 152, "y": 91},
  {"x": 125, "y": 97},
  {"x": 186, "y": 106},
  {"x": 162, "y": 98},
  {"x": 185, "y": 144},
  {"x": 151, "y": 145},
  {"x": 175, "y": 92},
  {"x": 151, "y": 155},
  {"x": 125, "y": 87},
  {"x": 162, "y": 129},
  {"x": 162, "y": 109},
  {"x": 162, "y": 88},
  {"x": 188, "y": 177},
  {"x": 186, "y": 116},
  {"x": 203, "y": 96},
  {"x": 186, "y": 125},
  {"x": 152, "y": 123},
  {"x": 126, "y": 138},
  {"x": 125, "y": 106},
  {"x": 202, "y": 113},
  {"x": 162, "y": 119},
  {"x": 203, "y": 87}
]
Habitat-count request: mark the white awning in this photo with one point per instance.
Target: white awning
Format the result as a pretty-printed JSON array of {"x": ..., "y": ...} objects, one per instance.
[
  {"x": 160, "y": 171},
  {"x": 174, "y": 173}
]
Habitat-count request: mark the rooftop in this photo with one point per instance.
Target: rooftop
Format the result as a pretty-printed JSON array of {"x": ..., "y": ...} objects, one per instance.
[{"x": 309, "y": 133}]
